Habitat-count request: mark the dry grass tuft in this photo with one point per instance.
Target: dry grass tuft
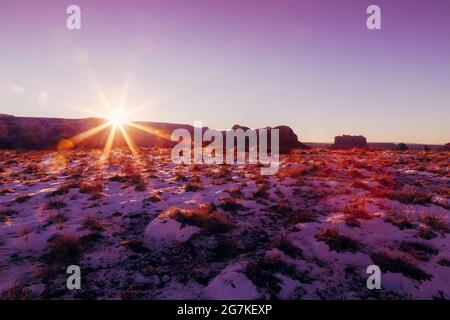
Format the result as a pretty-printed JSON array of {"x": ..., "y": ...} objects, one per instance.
[{"x": 337, "y": 241}]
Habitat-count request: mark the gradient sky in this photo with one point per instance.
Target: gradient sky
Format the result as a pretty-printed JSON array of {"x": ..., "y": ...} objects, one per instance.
[{"x": 312, "y": 65}]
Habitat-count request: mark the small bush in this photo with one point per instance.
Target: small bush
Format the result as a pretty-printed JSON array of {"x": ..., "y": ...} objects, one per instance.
[
  {"x": 230, "y": 204},
  {"x": 16, "y": 293},
  {"x": 418, "y": 250},
  {"x": 153, "y": 198},
  {"x": 357, "y": 211},
  {"x": 31, "y": 169},
  {"x": 285, "y": 244},
  {"x": 436, "y": 222},
  {"x": 22, "y": 199},
  {"x": 262, "y": 273},
  {"x": 192, "y": 187},
  {"x": 92, "y": 224},
  {"x": 336, "y": 241},
  {"x": 5, "y": 215},
  {"x": 94, "y": 190},
  {"x": 62, "y": 190},
  {"x": 57, "y": 218},
  {"x": 402, "y": 265},
  {"x": 63, "y": 250},
  {"x": 302, "y": 217},
  {"x": 204, "y": 216},
  {"x": 412, "y": 195},
  {"x": 400, "y": 220},
  {"x": 55, "y": 204},
  {"x": 6, "y": 191},
  {"x": 444, "y": 262}
]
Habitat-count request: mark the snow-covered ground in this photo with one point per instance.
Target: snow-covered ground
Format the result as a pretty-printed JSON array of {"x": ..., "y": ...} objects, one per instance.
[{"x": 148, "y": 229}]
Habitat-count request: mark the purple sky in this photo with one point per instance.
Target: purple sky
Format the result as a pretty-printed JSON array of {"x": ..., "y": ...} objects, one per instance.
[{"x": 312, "y": 65}]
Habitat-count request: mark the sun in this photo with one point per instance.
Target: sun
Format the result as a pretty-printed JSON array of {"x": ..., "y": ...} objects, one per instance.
[{"x": 118, "y": 119}]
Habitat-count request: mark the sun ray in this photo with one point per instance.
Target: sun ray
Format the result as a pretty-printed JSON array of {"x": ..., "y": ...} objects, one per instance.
[
  {"x": 109, "y": 143},
  {"x": 151, "y": 130},
  {"x": 89, "y": 133},
  {"x": 129, "y": 143},
  {"x": 98, "y": 89}
]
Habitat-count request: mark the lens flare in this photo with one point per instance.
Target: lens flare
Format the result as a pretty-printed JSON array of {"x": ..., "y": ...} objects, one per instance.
[{"x": 117, "y": 119}]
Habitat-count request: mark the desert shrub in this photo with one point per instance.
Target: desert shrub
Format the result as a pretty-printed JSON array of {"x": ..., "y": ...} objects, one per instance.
[
  {"x": 425, "y": 232},
  {"x": 355, "y": 173},
  {"x": 31, "y": 169},
  {"x": 118, "y": 178},
  {"x": 235, "y": 193},
  {"x": 444, "y": 262},
  {"x": 136, "y": 246},
  {"x": 302, "y": 217},
  {"x": 402, "y": 265},
  {"x": 154, "y": 198},
  {"x": 18, "y": 292},
  {"x": 358, "y": 184},
  {"x": 6, "y": 191},
  {"x": 6, "y": 215},
  {"x": 192, "y": 187},
  {"x": 418, "y": 250},
  {"x": 59, "y": 217},
  {"x": 231, "y": 204},
  {"x": 357, "y": 210},
  {"x": 283, "y": 207},
  {"x": 437, "y": 222},
  {"x": 386, "y": 180},
  {"x": 63, "y": 250},
  {"x": 179, "y": 176},
  {"x": 223, "y": 249},
  {"x": 294, "y": 172},
  {"x": 412, "y": 195},
  {"x": 204, "y": 216},
  {"x": 261, "y": 193},
  {"x": 94, "y": 190},
  {"x": 284, "y": 243},
  {"x": 140, "y": 185},
  {"x": 385, "y": 192},
  {"x": 93, "y": 224},
  {"x": 62, "y": 190},
  {"x": 55, "y": 204},
  {"x": 337, "y": 241},
  {"x": 91, "y": 188},
  {"x": 262, "y": 272},
  {"x": 22, "y": 198},
  {"x": 402, "y": 220}
]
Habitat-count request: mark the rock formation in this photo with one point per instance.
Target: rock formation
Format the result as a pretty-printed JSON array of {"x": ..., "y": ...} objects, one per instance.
[
  {"x": 346, "y": 142},
  {"x": 445, "y": 147},
  {"x": 402, "y": 147}
]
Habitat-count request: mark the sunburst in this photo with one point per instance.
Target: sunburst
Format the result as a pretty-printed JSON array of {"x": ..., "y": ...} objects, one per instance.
[{"x": 117, "y": 120}]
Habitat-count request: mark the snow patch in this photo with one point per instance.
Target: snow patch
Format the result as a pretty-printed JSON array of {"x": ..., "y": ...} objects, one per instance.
[
  {"x": 232, "y": 284},
  {"x": 165, "y": 232}
]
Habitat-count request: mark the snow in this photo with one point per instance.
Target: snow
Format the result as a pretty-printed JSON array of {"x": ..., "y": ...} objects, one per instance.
[
  {"x": 140, "y": 252},
  {"x": 164, "y": 232},
  {"x": 232, "y": 284}
]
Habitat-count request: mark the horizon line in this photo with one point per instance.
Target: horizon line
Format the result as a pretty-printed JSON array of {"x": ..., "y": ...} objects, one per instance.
[{"x": 162, "y": 122}]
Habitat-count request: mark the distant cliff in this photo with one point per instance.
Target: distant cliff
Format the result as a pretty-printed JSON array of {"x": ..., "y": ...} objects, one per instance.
[{"x": 48, "y": 133}]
